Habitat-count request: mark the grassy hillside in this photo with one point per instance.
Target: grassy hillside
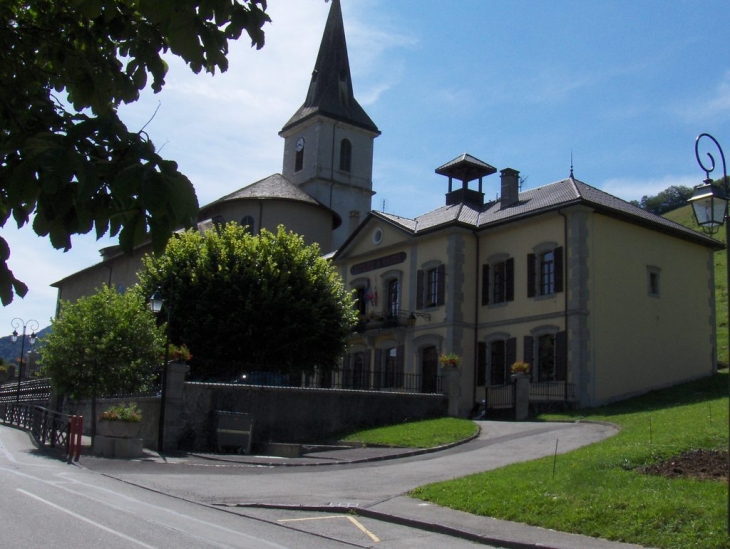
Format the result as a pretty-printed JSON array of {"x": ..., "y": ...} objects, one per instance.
[{"x": 684, "y": 216}]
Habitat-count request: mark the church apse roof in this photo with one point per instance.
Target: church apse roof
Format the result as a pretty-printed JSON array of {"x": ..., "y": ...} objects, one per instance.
[{"x": 274, "y": 187}]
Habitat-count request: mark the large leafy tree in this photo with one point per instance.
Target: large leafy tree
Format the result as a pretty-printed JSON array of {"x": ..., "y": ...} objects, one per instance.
[
  {"x": 103, "y": 344},
  {"x": 66, "y": 159},
  {"x": 243, "y": 302}
]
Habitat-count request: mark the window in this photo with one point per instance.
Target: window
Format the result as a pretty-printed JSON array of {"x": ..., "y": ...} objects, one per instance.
[
  {"x": 392, "y": 376},
  {"x": 546, "y": 358},
  {"x": 218, "y": 222},
  {"x": 356, "y": 371},
  {"x": 498, "y": 363},
  {"x": 653, "y": 280},
  {"x": 345, "y": 155},
  {"x": 393, "y": 289},
  {"x": 361, "y": 305},
  {"x": 429, "y": 370},
  {"x": 248, "y": 223},
  {"x": 547, "y": 352},
  {"x": 431, "y": 286},
  {"x": 498, "y": 281},
  {"x": 545, "y": 271},
  {"x": 502, "y": 354}
]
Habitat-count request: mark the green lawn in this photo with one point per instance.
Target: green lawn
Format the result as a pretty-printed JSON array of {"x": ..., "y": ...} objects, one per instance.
[
  {"x": 597, "y": 491},
  {"x": 420, "y": 434}
]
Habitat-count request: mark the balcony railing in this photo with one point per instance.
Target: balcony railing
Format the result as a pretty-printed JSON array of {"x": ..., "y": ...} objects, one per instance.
[{"x": 401, "y": 318}]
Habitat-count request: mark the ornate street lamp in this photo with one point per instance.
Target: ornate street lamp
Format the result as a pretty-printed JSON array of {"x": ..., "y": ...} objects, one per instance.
[
  {"x": 17, "y": 323},
  {"x": 156, "y": 301},
  {"x": 709, "y": 204}
]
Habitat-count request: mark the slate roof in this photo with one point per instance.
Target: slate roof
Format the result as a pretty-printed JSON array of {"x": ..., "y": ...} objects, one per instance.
[
  {"x": 274, "y": 187},
  {"x": 330, "y": 90},
  {"x": 541, "y": 200}
]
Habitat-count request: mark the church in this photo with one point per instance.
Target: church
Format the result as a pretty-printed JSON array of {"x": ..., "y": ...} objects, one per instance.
[{"x": 584, "y": 287}]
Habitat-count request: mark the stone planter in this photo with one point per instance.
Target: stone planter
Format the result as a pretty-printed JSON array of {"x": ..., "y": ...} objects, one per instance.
[{"x": 121, "y": 429}]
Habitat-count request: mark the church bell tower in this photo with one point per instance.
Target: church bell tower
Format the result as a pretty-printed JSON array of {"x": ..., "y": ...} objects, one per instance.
[{"x": 328, "y": 143}]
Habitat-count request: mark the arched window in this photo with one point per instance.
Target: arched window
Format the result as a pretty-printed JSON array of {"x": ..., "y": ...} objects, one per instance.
[
  {"x": 218, "y": 222},
  {"x": 249, "y": 224},
  {"x": 345, "y": 155}
]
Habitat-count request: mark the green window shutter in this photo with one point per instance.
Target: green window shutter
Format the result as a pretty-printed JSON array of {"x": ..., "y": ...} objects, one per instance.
[
  {"x": 485, "y": 284},
  {"x": 558, "y": 269},
  {"x": 531, "y": 275},
  {"x": 510, "y": 279},
  {"x": 511, "y": 351},
  {"x": 420, "y": 288},
  {"x": 441, "y": 298},
  {"x": 561, "y": 356},
  {"x": 481, "y": 363},
  {"x": 528, "y": 353}
]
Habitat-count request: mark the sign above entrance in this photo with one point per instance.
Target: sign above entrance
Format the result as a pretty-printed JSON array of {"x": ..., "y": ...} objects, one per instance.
[{"x": 378, "y": 263}]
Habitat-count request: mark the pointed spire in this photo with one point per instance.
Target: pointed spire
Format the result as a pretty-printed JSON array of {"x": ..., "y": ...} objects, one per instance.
[{"x": 330, "y": 90}]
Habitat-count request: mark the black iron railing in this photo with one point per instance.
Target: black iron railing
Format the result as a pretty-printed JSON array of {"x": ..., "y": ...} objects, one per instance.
[
  {"x": 37, "y": 391},
  {"x": 397, "y": 319},
  {"x": 502, "y": 396},
  {"x": 363, "y": 380},
  {"x": 551, "y": 390},
  {"x": 61, "y": 432}
]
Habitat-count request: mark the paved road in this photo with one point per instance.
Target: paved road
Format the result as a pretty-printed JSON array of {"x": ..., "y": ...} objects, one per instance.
[
  {"x": 47, "y": 503},
  {"x": 374, "y": 488}
]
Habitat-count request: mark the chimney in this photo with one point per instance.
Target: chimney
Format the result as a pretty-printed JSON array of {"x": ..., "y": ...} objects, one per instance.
[
  {"x": 354, "y": 220},
  {"x": 510, "y": 187}
]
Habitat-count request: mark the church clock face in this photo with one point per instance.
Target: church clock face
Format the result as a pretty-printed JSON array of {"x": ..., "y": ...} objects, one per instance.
[{"x": 300, "y": 144}]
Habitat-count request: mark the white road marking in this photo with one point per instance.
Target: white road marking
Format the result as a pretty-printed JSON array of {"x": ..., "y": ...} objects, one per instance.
[{"x": 86, "y": 520}]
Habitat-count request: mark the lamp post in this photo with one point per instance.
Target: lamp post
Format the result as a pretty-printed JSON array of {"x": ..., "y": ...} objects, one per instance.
[
  {"x": 156, "y": 302},
  {"x": 709, "y": 204},
  {"x": 18, "y": 323}
]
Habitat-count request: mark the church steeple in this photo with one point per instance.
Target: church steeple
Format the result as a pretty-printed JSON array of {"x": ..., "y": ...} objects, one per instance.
[
  {"x": 330, "y": 90},
  {"x": 328, "y": 143}
]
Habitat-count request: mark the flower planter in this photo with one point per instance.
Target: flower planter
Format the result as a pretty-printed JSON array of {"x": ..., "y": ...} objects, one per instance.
[{"x": 122, "y": 429}]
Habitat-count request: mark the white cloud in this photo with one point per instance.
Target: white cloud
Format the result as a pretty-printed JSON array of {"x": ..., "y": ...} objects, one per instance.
[{"x": 634, "y": 189}]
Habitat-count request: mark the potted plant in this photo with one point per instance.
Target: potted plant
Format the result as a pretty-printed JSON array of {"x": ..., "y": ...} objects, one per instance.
[
  {"x": 122, "y": 420},
  {"x": 450, "y": 360},
  {"x": 520, "y": 368},
  {"x": 179, "y": 354}
]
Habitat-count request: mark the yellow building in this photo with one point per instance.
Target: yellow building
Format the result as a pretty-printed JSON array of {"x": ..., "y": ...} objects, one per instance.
[{"x": 601, "y": 298}]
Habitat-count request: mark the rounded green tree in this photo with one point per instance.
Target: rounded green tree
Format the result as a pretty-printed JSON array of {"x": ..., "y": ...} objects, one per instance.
[
  {"x": 104, "y": 344},
  {"x": 251, "y": 303}
]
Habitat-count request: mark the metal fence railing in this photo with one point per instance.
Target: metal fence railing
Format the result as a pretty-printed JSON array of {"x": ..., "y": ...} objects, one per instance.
[
  {"x": 362, "y": 380},
  {"x": 541, "y": 391},
  {"x": 61, "y": 432},
  {"x": 37, "y": 391}
]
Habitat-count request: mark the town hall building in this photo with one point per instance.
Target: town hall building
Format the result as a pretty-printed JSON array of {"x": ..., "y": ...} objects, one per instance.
[{"x": 602, "y": 299}]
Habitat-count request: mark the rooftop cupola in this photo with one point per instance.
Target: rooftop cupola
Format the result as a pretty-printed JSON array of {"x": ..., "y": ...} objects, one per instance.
[{"x": 465, "y": 168}]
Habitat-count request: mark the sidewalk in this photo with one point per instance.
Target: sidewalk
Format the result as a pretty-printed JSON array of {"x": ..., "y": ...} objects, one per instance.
[{"x": 399, "y": 509}]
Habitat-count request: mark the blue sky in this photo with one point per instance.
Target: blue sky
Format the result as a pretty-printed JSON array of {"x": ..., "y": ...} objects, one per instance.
[{"x": 623, "y": 87}]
